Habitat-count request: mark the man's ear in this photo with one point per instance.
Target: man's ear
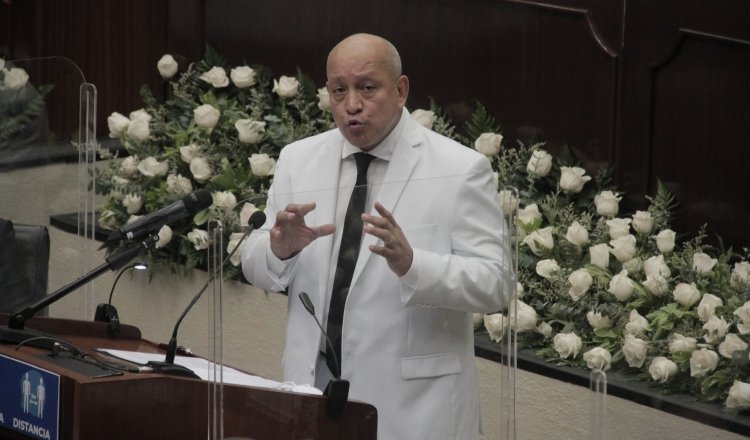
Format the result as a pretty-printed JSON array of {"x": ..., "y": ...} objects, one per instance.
[{"x": 402, "y": 87}]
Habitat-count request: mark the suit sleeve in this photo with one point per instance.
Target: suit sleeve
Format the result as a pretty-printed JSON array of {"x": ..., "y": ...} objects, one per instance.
[{"x": 476, "y": 276}]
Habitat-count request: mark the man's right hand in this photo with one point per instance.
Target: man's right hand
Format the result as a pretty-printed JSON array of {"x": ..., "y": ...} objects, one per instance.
[{"x": 290, "y": 234}]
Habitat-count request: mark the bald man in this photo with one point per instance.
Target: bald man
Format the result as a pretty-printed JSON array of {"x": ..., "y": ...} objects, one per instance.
[{"x": 433, "y": 250}]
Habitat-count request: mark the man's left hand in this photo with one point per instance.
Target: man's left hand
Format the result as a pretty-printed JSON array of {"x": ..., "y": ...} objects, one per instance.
[{"x": 395, "y": 249}]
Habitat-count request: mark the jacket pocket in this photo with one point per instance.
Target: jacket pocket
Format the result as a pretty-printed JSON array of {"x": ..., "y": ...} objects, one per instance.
[{"x": 435, "y": 365}]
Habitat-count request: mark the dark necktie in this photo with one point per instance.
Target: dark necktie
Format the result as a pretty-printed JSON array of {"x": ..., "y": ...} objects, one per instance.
[{"x": 351, "y": 239}]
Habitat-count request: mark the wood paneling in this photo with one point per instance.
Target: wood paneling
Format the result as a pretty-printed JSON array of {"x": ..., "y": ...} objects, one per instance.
[{"x": 657, "y": 89}]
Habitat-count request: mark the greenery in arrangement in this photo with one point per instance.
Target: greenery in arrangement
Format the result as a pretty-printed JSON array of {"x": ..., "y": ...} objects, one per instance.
[
  {"x": 20, "y": 102},
  {"x": 596, "y": 289}
]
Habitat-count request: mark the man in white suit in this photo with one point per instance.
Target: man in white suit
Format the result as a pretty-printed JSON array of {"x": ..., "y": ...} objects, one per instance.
[{"x": 434, "y": 249}]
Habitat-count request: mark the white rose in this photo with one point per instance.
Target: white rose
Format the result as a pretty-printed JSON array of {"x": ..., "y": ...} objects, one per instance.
[
  {"x": 189, "y": 152},
  {"x": 522, "y": 317},
  {"x": 262, "y": 165},
  {"x": 108, "y": 219},
  {"x": 686, "y": 294},
  {"x": 150, "y": 167},
  {"x": 743, "y": 313},
  {"x": 206, "y": 116},
  {"x": 567, "y": 345},
  {"x": 657, "y": 285},
  {"x": 703, "y": 263},
  {"x": 518, "y": 294},
  {"x": 597, "y": 320},
  {"x": 132, "y": 203},
  {"x": 426, "y": 118},
  {"x": 324, "y": 99},
  {"x": 598, "y": 358},
  {"x": 140, "y": 115},
  {"x": 607, "y": 203},
  {"x": 540, "y": 163},
  {"x": 715, "y": 329},
  {"x": 544, "y": 329},
  {"x": 176, "y": 184},
  {"x": 495, "y": 325},
  {"x": 740, "y": 274},
  {"x": 138, "y": 129},
  {"x": 118, "y": 124},
  {"x": 621, "y": 286},
  {"x": 572, "y": 179},
  {"x": 119, "y": 184},
  {"x": 577, "y": 234},
  {"x": 508, "y": 202},
  {"x": 165, "y": 236},
  {"x": 702, "y": 362},
  {"x": 665, "y": 240},
  {"x": 682, "y": 343},
  {"x": 637, "y": 325},
  {"x": 530, "y": 216},
  {"x": 547, "y": 268},
  {"x": 662, "y": 369},
  {"x": 739, "y": 395},
  {"x": 224, "y": 200},
  {"x": 167, "y": 66},
  {"x": 488, "y": 144},
  {"x": 599, "y": 255},
  {"x": 580, "y": 281},
  {"x": 478, "y": 319},
  {"x": 199, "y": 238},
  {"x": 540, "y": 241},
  {"x": 234, "y": 239},
  {"x": 286, "y": 86},
  {"x": 248, "y": 209},
  {"x": 242, "y": 77},
  {"x": 656, "y": 267},
  {"x": 129, "y": 165},
  {"x": 250, "y": 131},
  {"x": 200, "y": 168},
  {"x": 618, "y": 227},
  {"x": 15, "y": 78},
  {"x": 623, "y": 248},
  {"x": 217, "y": 77},
  {"x": 731, "y": 344},
  {"x": 643, "y": 222},
  {"x": 635, "y": 351},
  {"x": 707, "y": 306}
]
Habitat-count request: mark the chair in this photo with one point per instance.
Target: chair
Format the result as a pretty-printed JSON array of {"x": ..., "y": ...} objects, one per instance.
[{"x": 24, "y": 263}]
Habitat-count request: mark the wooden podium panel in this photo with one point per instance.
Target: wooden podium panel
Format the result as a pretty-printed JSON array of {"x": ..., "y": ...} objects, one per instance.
[{"x": 155, "y": 406}]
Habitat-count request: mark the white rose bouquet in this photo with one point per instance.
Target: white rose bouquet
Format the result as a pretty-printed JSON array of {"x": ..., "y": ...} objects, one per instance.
[{"x": 21, "y": 103}]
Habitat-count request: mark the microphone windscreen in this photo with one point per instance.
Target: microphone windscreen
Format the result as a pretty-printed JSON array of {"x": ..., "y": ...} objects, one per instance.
[
  {"x": 197, "y": 201},
  {"x": 257, "y": 219}
]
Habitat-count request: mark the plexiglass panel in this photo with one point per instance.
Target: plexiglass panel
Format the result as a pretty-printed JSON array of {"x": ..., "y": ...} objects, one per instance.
[{"x": 47, "y": 117}]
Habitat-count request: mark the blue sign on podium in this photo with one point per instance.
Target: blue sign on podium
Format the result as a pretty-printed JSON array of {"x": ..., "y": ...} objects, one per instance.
[{"x": 29, "y": 399}]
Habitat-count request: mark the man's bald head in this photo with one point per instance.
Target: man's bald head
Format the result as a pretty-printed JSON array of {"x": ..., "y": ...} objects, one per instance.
[{"x": 378, "y": 48}]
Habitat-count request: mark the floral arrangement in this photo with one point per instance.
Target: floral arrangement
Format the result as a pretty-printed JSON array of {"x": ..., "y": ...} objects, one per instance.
[
  {"x": 595, "y": 289},
  {"x": 601, "y": 290},
  {"x": 20, "y": 102}
]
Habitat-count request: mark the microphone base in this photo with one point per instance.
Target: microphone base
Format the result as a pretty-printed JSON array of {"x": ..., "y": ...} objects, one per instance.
[
  {"x": 337, "y": 393},
  {"x": 171, "y": 369},
  {"x": 18, "y": 336}
]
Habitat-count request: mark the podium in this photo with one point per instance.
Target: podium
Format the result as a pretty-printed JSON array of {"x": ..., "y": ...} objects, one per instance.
[{"x": 155, "y": 406}]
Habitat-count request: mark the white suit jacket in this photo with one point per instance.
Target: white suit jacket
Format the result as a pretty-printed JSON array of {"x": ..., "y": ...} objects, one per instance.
[{"x": 407, "y": 344}]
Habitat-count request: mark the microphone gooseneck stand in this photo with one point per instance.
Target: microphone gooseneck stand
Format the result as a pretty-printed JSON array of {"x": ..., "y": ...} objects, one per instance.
[{"x": 16, "y": 333}]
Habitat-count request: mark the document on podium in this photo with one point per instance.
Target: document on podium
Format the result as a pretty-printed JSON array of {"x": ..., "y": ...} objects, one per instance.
[{"x": 202, "y": 368}]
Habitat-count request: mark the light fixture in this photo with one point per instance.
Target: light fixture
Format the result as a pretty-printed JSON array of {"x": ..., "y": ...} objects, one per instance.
[{"x": 107, "y": 312}]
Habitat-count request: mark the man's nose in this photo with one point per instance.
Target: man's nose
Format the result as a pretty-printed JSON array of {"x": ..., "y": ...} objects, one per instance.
[{"x": 353, "y": 103}]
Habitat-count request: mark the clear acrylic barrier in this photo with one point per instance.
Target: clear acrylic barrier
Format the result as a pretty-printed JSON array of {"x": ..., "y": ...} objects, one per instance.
[
  {"x": 598, "y": 411},
  {"x": 48, "y": 111}
]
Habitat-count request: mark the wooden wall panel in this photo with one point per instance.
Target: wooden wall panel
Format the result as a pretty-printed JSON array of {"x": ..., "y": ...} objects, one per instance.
[{"x": 685, "y": 111}]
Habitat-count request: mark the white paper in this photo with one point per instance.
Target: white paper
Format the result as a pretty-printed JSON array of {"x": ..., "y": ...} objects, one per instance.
[{"x": 205, "y": 369}]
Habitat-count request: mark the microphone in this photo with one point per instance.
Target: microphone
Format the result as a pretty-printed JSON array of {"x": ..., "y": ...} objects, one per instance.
[
  {"x": 256, "y": 220},
  {"x": 337, "y": 390},
  {"x": 188, "y": 205}
]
